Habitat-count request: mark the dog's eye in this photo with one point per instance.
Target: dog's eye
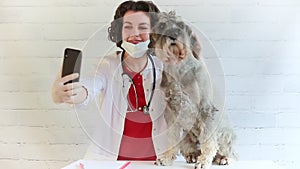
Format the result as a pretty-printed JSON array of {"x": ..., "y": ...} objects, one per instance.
[
  {"x": 162, "y": 25},
  {"x": 181, "y": 25}
]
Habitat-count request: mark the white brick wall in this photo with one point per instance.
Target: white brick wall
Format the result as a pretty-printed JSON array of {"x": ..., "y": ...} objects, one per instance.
[{"x": 257, "y": 41}]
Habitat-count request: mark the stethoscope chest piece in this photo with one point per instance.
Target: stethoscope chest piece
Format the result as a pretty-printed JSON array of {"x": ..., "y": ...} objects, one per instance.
[{"x": 146, "y": 110}]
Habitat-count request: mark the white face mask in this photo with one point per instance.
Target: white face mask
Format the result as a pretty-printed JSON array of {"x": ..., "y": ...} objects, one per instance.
[{"x": 135, "y": 50}]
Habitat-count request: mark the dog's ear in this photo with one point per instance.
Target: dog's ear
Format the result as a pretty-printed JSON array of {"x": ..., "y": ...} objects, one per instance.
[
  {"x": 196, "y": 46},
  {"x": 153, "y": 38}
]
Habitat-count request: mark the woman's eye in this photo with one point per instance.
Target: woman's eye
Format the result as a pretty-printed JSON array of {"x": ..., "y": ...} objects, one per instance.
[
  {"x": 127, "y": 27},
  {"x": 143, "y": 28}
]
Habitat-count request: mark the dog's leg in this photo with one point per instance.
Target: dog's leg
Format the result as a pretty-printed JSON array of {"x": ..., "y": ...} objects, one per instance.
[
  {"x": 225, "y": 154},
  {"x": 190, "y": 148},
  {"x": 208, "y": 151},
  {"x": 208, "y": 138},
  {"x": 167, "y": 158}
]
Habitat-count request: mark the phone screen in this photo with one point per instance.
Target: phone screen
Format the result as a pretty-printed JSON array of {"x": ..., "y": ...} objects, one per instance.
[{"x": 71, "y": 63}]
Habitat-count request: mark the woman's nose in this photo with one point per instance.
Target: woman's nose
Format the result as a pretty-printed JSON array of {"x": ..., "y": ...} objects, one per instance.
[{"x": 135, "y": 32}]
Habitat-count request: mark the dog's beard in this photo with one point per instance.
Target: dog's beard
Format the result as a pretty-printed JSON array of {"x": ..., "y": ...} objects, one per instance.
[{"x": 171, "y": 51}]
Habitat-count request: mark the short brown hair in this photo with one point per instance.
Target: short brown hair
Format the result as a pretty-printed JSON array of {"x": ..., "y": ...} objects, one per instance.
[{"x": 115, "y": 29}]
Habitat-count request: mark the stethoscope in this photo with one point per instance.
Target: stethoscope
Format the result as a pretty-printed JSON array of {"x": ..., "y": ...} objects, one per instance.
[{"x": 146, "y": 107}]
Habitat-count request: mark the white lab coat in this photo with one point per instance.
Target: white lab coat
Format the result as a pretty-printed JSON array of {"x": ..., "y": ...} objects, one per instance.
[{"x": 109, "y": 82}]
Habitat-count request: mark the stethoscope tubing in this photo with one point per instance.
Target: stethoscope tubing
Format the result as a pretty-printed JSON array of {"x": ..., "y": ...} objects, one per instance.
[{"x": 145, "y": 108}]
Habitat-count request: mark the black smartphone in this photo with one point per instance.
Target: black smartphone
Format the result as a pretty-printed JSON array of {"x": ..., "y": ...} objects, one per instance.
[{"x": 71, "y": 63}]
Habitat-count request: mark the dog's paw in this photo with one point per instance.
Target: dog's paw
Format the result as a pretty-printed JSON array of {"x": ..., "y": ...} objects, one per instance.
[
  {"x": 163, "y": 162},
  {"x": 200, "y": 165},
  {"x": 222, "y": 160},
  {"x": 166, "y": 159},
  {"x": 191, "y": 158},
  {"x": 203, "y": 163}
]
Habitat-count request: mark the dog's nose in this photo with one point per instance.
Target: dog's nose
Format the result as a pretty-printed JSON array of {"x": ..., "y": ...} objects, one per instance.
[{"x": 172, "y": 37}]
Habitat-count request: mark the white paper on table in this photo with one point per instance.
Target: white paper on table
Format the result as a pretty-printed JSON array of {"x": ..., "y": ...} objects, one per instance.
[{"x": 91, "y": 164}]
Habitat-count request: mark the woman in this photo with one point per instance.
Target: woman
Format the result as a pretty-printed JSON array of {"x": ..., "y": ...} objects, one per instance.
[{"x": 133, "y": 127}]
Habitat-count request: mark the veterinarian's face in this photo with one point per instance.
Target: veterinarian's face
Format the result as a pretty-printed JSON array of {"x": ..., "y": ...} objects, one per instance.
[{"x": 136, "y": 27}]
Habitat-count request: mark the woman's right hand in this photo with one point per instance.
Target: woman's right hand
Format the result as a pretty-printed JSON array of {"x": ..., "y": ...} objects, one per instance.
[{"x": 71, "y": 93}]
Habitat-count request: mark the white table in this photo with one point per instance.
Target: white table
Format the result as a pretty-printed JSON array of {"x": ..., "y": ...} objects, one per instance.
[{"x": 88, "y": 164}]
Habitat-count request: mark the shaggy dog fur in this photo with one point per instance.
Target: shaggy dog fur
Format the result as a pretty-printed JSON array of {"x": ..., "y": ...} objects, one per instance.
[{"x": 195, "y": 125}]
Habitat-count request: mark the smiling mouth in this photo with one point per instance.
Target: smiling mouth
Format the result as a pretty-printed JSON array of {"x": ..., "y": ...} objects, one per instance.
[{"x": 134, "y": 42}]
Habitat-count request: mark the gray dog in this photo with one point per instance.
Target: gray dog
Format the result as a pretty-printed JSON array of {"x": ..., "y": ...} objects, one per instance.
[{"x": 195, "y": 125}]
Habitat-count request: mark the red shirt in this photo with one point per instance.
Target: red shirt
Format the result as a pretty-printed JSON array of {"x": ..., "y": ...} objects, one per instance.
[{"x": 136, "y": 141}]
